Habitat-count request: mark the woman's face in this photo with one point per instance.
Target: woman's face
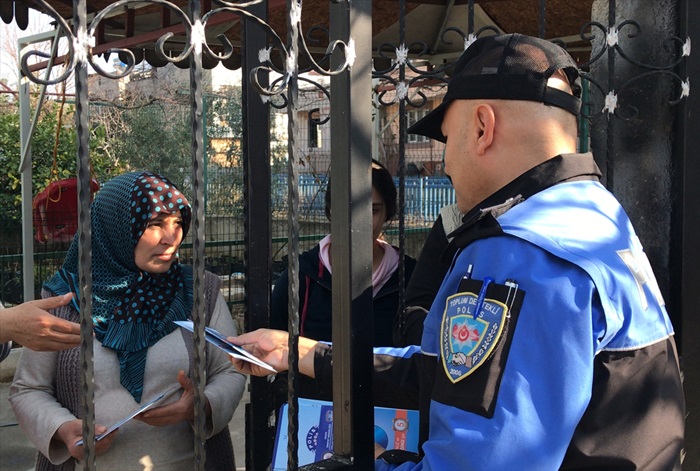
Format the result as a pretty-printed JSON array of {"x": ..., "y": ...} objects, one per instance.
[
  {"x": 378, "y": 213},
  {"x": 157, "y": 248}
]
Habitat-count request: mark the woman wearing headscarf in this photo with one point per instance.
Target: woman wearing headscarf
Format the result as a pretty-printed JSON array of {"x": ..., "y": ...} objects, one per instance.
[{"x": 140, "y": 288}]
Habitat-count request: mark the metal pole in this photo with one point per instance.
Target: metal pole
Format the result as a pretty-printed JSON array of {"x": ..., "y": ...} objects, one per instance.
[
  {"x": 292, "y": 68},
  {"x": 685, "y": 263},
  {"x": 196, "y": 99},
  {"x": 26, "y": 130},
  {"x": 82, "y": 49},
  {"x": 351, "y": 249},
  {"x": 27, "y": 189},
  {"x": 258, "y": 236}
]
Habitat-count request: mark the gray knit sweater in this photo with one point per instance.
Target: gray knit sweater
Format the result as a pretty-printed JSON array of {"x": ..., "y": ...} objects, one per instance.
[{"x": 44, "y": 395}]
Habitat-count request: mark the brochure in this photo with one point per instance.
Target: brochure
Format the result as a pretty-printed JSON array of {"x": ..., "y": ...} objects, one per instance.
[
  {"x": 143, "y": 408},
  {"x": 394, "y": 429},
  {"x": 217, "y": 338}
]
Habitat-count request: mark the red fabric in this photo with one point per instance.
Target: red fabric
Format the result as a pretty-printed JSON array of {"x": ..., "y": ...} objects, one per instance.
[{"x": 56, "y": 210}]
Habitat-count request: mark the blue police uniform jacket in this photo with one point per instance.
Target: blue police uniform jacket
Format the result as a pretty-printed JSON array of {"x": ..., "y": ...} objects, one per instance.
[{"x": 548, "y": 345}]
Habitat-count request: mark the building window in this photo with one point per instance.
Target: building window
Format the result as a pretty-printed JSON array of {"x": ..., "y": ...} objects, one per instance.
[
  {"x": 413, "y": 117},
  {"x": 315, "y": 141}
]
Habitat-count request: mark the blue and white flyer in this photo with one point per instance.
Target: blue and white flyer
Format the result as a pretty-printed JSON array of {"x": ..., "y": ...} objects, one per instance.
[{"x": 394, "y": 429}]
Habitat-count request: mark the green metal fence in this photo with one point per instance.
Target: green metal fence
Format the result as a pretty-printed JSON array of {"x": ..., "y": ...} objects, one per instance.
[{"x": 131, "y": 124}]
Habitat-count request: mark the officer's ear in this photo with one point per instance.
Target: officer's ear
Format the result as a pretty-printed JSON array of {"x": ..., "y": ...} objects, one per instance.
[{"x": 484, "y": 120}]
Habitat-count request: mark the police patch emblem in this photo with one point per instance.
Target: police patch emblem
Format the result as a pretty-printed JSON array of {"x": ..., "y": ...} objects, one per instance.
[{"x": 468, "y": 338}]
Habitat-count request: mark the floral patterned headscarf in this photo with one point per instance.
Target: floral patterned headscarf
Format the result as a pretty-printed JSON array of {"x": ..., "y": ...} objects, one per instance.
[{"x": 132, "y": 309}]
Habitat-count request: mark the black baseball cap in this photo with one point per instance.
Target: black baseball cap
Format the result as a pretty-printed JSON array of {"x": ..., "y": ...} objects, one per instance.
[{"x": 506, "y": 67}]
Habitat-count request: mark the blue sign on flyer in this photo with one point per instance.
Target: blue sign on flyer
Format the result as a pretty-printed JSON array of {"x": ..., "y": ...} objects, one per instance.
[{"x": 393, "y": 429}]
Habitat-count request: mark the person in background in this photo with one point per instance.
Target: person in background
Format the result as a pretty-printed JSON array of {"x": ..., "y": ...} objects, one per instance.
[
  {"x": 30, "y": 325},
  {"x": 548, "y": 345},
  {"x": 315, "y": 282},
  {"x": 315, "y": 274},
  {"x": 139, "y": 220}
]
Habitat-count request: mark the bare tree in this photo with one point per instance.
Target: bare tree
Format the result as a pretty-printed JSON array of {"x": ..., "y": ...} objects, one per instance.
[{"x": 10, "y": 54}]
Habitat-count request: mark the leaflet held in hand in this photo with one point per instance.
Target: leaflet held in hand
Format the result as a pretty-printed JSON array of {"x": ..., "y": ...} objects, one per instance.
[
  {"x": 218, "y": 339},
  {"x": 143, "y": 408}
]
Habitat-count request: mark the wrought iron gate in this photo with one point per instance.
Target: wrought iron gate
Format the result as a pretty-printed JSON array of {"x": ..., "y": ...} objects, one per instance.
[{"x": 626, "y": 70}]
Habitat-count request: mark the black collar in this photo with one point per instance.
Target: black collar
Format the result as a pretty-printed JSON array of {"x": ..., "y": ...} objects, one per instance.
[{"x": 481, "y": 222}]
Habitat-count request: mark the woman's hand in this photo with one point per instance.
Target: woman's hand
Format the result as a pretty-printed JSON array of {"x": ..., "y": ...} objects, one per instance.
[
  {"x": 72, "y": 431},
  {"x": 175, "y": 412}
]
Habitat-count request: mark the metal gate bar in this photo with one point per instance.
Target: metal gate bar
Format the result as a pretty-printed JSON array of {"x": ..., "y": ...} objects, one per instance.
[
  {"x": 685, "y": 261},
  {"x": 258, "y": 235},
  {"x": 84, "y": 233}
]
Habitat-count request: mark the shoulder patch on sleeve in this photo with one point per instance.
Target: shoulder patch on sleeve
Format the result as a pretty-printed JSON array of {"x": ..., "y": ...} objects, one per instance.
[{"x": 475, "y": 336}]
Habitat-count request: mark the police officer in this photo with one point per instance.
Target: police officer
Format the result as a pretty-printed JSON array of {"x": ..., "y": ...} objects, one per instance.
[{"x": 548, "y": 345}]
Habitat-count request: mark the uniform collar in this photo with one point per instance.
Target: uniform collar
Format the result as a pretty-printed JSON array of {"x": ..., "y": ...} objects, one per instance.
[{"x": 480, "y": 221}]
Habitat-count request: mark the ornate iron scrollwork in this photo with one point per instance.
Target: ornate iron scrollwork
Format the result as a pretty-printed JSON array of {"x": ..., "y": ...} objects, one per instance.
[
  {"x": 80, "y": 45},
  {"x": 677, "y": 48},
  {"x": 403, "y": 74}
]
